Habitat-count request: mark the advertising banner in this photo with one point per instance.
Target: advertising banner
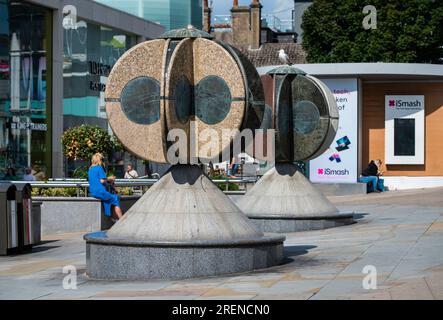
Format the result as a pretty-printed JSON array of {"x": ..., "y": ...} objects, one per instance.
[{"x": 339, "y": 163}]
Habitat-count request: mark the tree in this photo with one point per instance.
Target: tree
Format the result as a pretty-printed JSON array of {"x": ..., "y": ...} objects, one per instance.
[
  {"x": 407, "y": 31},
  {"x": 84, "y": 141}
]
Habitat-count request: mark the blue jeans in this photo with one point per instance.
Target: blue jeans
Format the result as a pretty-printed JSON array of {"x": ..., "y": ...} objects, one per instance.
[
  {"x": 371, "y": 182},
  {"x": 233, "y": 170},
  {"x": 108, "y": 199}
]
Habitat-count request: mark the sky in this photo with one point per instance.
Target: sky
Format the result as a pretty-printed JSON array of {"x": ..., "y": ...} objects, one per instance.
[{"x": 281, "y": 8}]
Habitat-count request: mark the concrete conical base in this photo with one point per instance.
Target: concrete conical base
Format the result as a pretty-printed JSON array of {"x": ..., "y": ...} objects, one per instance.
[
  {"x": 184, "y": 226},
  {"x": 184, "y": 205},
  {"x": 283, "y": 200}
]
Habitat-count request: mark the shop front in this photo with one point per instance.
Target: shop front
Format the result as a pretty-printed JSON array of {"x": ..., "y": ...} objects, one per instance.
[
  {"x": 402, "y": 125},
  {"x": 388, "y": 111},
  {"x": 25, "y": 82},
  {"x": 54, "y": 63}
]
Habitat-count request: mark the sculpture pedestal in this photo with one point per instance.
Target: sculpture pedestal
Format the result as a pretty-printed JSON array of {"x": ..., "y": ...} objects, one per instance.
[
  {"x": 184, "y": 226},
  {"x": 283, "y": 200}
]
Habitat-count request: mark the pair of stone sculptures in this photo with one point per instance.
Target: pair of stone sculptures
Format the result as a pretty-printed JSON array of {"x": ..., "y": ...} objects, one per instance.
[{"x": 184, "y": 226}]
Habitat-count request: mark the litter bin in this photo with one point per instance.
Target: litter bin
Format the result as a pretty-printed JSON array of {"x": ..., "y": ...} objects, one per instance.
[
  {"x": 8, "y": 219},
  {"x": 36, "y": 221},
  {"x": 24, "y": 212}
]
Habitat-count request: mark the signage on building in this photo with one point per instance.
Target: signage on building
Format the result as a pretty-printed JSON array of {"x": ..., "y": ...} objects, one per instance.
[
  {"x": 339, "y": 163},
  {"x": 404, "y": 129},
  {"x": 29, "y": 125},
  {"x": 98, "y": 69}
]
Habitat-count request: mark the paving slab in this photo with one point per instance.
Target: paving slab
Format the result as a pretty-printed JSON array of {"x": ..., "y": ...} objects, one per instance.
[{"x": 400, "y": 233}]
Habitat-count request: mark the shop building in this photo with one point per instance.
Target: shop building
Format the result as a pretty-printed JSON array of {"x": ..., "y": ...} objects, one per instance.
[
  {"x": 388, "y": 111},
  {"x": 55, "y": 56}
]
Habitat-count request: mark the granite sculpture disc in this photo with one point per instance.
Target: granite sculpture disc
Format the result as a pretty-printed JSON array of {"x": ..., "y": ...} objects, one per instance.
[
  {"x": 133, "y": 103},
  {"x": 169, "y": 83},
  {"x": 304, "y": 114}
]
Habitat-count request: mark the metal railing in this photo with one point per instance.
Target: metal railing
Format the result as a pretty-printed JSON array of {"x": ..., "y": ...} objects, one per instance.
[
  {"x": 84, "y": 184},
  {"x": 276, "y": 24}
]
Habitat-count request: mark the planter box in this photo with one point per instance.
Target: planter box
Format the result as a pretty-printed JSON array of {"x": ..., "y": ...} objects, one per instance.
[{"x": 72, "y": 214}]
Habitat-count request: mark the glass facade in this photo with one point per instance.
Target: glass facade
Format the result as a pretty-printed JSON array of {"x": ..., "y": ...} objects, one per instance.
[
  {"x": 89, "y": 53},
  {"x": 172, "y": 14},
  {"x": 25, "y": 85}
]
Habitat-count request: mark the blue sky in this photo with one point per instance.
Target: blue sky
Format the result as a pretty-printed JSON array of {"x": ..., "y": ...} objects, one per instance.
[{"x": 281, "y": 8}]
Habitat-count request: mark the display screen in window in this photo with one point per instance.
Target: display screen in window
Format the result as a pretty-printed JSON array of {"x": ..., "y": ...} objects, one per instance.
[{"x": 404, "y": 137}]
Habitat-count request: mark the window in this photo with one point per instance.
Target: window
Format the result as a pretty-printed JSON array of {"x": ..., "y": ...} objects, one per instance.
[
  {"x": 404, "y": 137},
  {"x": 25, "y": 82},
  {"x": 89, "y": 53}
]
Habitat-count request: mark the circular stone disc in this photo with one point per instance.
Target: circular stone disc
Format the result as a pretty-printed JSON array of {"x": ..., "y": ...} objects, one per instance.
[
  {"x": 307, "y": 118},
  {"x": 204, "y": 85},
  {"x": 255, "y": 98},
  {"x": 263, "y": 150},
  {"x": 133, "y": 103},
  {"x": 333, "y": 117}
]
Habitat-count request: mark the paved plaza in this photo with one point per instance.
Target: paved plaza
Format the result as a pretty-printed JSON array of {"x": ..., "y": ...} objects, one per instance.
[{"x": 400, "y": 233}]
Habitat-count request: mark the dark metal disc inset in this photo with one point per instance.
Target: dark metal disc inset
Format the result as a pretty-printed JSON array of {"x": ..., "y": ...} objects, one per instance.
[
  {"x": 183, "y": 97},
  {"x": 212, "y": 100},
  {"x": 140, "y": 100},
  {"x": 305, "y": 116}
]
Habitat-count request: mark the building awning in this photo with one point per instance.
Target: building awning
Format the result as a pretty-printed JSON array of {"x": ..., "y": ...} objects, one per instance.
[{"x": 369, "y": 71}]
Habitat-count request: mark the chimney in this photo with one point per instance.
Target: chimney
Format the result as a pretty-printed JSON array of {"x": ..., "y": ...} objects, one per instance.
[
  {"x": 206, "y": 17},
  {"x": 240, "y": 16},
  {"x": 255, "y": 28}
]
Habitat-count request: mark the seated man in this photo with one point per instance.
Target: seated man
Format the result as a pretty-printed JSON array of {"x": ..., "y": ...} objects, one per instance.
[{"x": 371, "y": 176}]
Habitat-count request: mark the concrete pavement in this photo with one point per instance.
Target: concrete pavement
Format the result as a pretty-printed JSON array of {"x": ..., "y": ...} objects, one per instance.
[{"x": 400, "y": 233}]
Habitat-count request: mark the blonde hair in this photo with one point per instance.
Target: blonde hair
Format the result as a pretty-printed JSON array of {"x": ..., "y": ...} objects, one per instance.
[{"x": 97, "y": 160}]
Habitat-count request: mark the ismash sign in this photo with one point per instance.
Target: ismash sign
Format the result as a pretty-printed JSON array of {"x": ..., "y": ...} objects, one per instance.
[
  {"x": 339, "y": 163},
  {"x": 404, "y": 129},
  {"x": 408, "y": 104}
]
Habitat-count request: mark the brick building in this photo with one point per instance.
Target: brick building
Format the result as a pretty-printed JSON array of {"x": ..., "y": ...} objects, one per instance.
[{"x": 257, "y": 41}]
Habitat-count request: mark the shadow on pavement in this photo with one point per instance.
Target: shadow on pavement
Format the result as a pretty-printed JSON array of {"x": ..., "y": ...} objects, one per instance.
[
  {"x": 358, "y": 216},
  {"x": 290, "y": 252}
]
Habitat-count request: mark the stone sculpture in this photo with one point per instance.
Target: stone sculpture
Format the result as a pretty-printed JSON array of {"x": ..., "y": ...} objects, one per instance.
[
  {"x": 184, "y": 226},
  {"x": 304, "y": 115}
]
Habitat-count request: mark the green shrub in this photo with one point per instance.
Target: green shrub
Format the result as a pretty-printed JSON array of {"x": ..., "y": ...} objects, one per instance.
[
  {"x": 124, "y": 191},
  {"x": 58, "y": 192},
  {"x": 222, "y": 185},
  {"x": 231, "y": 186},
  {"x": 84, "y": 141},
  {"x": 72, "y": 192}
]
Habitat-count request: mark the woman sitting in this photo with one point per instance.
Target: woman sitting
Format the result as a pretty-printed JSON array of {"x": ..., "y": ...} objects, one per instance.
[
  {"x": 371, "y": 176},
  {"x": 97, "y": 181}
]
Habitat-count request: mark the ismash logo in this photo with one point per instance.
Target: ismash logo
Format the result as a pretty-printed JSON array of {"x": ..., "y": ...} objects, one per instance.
[
  {"x": 392, "y": 103},
  {"x": 332, "y": 172},
  {"x": 402, "y": 104}
]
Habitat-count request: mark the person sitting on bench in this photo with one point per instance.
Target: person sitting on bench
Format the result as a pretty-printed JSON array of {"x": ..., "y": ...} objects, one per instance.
[{"x": 371, "y": 176}]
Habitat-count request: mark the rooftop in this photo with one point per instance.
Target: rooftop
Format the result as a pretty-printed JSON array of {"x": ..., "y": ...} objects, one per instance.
[{"x": 267, "y": 54}]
